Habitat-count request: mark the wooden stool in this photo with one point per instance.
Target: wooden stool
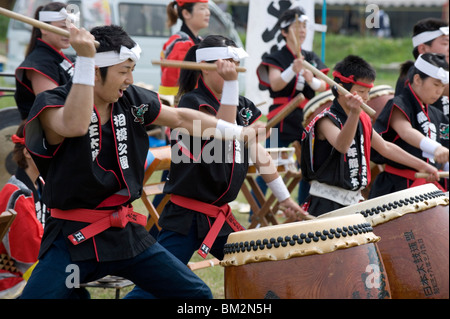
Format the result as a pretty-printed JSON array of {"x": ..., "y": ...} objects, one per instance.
[
  {"x": 160, "y": 162},
  {"x": 112, "y": 282}
]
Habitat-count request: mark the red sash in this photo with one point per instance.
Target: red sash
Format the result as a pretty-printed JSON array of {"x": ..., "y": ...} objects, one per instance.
[
  {"x": 221, "y": 214},
  {"x": 99, "y": 220},
  {"x": 367, "y": 133}
]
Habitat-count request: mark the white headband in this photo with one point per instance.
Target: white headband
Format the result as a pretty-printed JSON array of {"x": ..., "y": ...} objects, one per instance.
[
  {"x": 50, "y": 16},
  {"x": 426, "y": 36},
  {"x": 216, "y": 53},
  {"x": 431, "y": 70},
  {"x": 302, "y": 18},
  {"x": 109, "y": 58}
]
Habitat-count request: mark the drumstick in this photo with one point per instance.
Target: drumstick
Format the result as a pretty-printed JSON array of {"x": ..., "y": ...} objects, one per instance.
[
  {"x": 371, "y": 112},
  {"x": 304, "y": 217},
  {"x": 425, "y": 175},
  {"x": 38, "y": 24},
  {"x": 203, "y": 264},
  {"x": 288, "y": 109},
  {"x": 191, "y": 65}
]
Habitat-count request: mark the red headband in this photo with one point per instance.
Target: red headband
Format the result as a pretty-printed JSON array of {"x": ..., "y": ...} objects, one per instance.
[
  {"x": 350, "y": 79},
  {"x": 18, "y": 140},
  {"x": 181, "y": 3}
]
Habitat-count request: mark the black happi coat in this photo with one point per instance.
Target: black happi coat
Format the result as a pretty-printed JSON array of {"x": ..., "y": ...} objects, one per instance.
[
  {"x": 290, "y": 128},
  {"x": 102, "y": 169},
  {"x": 198, "y": 172},
  {"x": 427, "y": 119},
  {"x": 45, "y": 60},
  {"x": 320, "y": 161}
]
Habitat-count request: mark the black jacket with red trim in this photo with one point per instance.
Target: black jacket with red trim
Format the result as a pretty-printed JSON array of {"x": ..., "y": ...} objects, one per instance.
[
  {"x": 45, "y": 60},
  {"x": 208, "y": 170}
]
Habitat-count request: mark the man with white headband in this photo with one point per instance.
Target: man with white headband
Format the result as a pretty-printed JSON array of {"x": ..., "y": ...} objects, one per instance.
[
  {"x": 429, "y": 36},
  {"x": 281, "y": 73},
  {"x": 89, "y": 141},
  {"x": 45, "y": 66},
  {"x": 413, "y": 123}
]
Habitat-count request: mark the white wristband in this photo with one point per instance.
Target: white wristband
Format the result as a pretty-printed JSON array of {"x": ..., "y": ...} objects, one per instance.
[
  {"x": 288, "y": 74},
  {"x": 279, "y": 189},
  {"x": 230, "y": 93},
  {"x": 226, "y": 130},
  {"x": 315, "y": 84},
  {"x": 427, "y": 145},
  {"x": 84, "y": 72}
]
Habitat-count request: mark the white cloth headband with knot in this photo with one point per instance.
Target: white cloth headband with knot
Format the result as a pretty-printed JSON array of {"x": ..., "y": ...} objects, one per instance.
[
  {"x": 216, "y": 53},
  {"x": 50, "y": 16},
  {"x": 431, "y": 70},
  {"x": 426, "y": 36},
  {"x": 302, "y": 18},
  {"x": 109, "y": 58}
]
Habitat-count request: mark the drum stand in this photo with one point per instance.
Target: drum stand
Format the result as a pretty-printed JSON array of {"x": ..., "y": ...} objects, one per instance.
[
  {"x": 160, "y": 162},
  {"x": 265, "y": 214}
]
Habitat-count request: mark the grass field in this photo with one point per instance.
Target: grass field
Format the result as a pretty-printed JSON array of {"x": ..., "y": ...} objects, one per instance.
[{"x": 381, "y": 53}]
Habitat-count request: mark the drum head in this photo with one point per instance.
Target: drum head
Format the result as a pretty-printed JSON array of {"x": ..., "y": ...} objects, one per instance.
[
  {"x": 9, "y": 122},
  {"x": 316, "y": 104}
]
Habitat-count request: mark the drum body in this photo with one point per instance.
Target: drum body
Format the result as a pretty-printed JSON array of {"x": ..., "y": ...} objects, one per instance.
[
  {"x": 316, "y": 105},
  {"x": 378, "y": 97},
  {"x": 414, "y": 228},
  {"x": 332, "y": 259}
]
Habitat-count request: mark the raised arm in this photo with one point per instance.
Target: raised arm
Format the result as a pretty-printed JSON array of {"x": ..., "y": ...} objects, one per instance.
[{"x": 74, "y": 118}]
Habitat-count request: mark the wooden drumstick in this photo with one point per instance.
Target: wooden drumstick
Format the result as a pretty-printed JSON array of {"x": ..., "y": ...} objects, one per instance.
[
  {"x": 191, "y": 65},
  {"x": 303, "y": 217},
  {"x": 288, "y": 109},
  {"x": 38, "y": 24},
  {"x": 425, "y": 175}
]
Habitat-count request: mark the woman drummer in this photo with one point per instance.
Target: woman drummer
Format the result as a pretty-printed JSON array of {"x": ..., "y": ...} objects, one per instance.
[
  {"x": 45, "y": 66},
  {"x": 283, "y": 75},
  {"x": 206, "y": 174},
  {"x": 194, "y": 15},
  {"x": 413, "y": 123}
]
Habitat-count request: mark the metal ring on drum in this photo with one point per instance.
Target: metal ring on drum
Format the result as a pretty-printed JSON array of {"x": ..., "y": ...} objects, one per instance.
[
  {"x": 9, "y": 122},
  {"x": 316, "y": 105},
  {"x": 414, "y": 228},
  {"x": 336, "y": 258}
]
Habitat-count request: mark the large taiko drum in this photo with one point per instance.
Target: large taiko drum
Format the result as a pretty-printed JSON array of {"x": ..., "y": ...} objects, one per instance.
[
  {"x": 316, "y": 105},
  {"x": 378, "y": 97},
  {"x": 282, "y": 157},
  {"x": 414, "y": 226},
  {"x": 331, "y": 258}
]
